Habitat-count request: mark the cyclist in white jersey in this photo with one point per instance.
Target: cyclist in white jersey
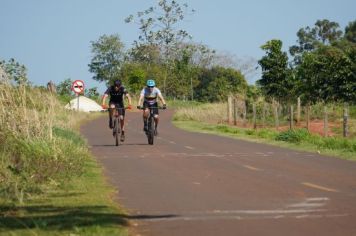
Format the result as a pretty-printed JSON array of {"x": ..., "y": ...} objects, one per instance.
[{"x": 149, "y": 96}]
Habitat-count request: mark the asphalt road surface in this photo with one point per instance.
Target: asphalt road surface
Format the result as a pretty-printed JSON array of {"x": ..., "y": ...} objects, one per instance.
[{"x": 199, "y": 184}]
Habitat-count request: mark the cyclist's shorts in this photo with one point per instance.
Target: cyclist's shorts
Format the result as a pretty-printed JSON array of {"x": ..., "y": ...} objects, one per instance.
[
  {"x": 118, "y": 105},
  {"x": 155, "y": 105}
]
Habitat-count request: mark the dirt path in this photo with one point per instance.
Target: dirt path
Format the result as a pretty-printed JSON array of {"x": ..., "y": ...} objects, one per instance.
[{"x": 199, "y": 184}]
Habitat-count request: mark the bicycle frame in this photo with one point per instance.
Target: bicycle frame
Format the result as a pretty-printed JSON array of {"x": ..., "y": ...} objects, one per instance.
[
  {"x": 116, "y": 124},
  {"x": 150, "y": 133}
]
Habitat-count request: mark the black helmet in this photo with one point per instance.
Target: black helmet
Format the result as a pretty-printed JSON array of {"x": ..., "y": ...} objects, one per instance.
[{"x": 117, "y": 83}]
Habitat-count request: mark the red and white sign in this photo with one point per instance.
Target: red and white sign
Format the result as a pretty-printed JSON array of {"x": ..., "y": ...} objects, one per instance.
[{"x": 78, "y": 86}]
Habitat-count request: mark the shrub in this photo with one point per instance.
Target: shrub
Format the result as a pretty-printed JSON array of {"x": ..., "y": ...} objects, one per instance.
[
  {"x": 293, "y": 136},
  {"x": 37, "y": 149}
]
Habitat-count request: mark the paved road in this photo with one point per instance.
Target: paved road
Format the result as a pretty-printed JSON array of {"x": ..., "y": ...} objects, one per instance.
[{"x": 199, "y": 184}]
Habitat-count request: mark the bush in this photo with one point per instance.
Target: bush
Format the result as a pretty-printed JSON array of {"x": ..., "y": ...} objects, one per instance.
[
  {"x": 38, "y": 150},
  {"x": 293, "y": 136}
]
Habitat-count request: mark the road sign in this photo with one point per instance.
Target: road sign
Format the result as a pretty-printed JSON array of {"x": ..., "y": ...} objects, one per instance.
[{"x": 78, "y": 86}]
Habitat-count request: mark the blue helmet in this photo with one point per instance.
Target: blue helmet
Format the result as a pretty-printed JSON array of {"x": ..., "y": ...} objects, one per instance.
[{"x": 151, "y": 83}]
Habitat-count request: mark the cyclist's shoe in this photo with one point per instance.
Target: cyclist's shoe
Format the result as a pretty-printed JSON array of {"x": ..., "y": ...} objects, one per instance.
[{"x": 122, "y": 137}]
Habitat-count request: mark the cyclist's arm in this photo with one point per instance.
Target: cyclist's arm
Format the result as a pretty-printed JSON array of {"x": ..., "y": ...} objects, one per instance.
[
  {"x": 140, "y": 100},
  {"x": 161, "y": 98},
  {"x": 128, "y": 98},
  {"x": 104, "y": 99}
]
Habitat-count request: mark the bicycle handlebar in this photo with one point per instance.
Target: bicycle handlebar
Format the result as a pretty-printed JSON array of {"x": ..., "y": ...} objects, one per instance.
[
  {"x": 143, "y": 108},
  {"x": 118, "y": 108}
]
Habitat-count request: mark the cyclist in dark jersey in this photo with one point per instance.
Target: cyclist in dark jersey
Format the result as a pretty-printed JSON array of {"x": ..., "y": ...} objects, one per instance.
[
  {"x": 117, "y": 92},
  {"x": 149, "y": 96}
]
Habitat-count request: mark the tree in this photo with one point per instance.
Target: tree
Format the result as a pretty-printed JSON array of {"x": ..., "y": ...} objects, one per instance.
[
  {"x": 276, "y": 81},
  {"x": 158, "y": 27},
  {"x": 217, "y": 83},
  {"x": 324, "y": 32},
  {"x": 15, "y": 71},
  {"x": 350, "y": 32},
  {"x": 108, "y": 58},
  {"x": 134, "y": 76},
  {"x": 64, "y": 88},
  {"x": 92, "y": 93},
  {"x": 145, "y": 53},
  {"x": 327, "y": 75}
]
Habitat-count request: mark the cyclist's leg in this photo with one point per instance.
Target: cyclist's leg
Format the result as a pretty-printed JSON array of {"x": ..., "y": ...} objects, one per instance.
[
  {"x": 156, "y": 116},
  {"x": 122, "y": 116},
  {"x": 146, "y": 112},
  {"x": 111, "y": 113},
  {"x": 122, "y": 122}
]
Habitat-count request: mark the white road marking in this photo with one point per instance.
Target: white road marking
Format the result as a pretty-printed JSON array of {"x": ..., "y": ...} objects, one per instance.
[
  {"x": 307, "y": 208},
  {"x": 172, "y": 142},
  {"x": 266, "y": 212},
  {"x": 311, "y": 185},
  {"x": 310, "y": 203},
  {"x": 251, "y": 168},
  {"x": 246, "y": 215},
  {"x": 189, "y": 147}
]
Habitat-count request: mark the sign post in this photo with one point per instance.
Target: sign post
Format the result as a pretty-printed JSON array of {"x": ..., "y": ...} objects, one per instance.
[{"x": 78, "y": 88}]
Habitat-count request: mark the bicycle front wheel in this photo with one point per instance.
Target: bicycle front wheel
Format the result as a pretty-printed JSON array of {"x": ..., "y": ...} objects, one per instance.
[
  {"x": 116, "y": 131},
  {"x": 151, "y": 130}
]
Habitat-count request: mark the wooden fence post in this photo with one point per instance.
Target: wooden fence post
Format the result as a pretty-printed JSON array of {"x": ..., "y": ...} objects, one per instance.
[
  {"x": 229, "y": 109},
  {"x": 325, "y": 121},
  {"x": 345, "y": 123},
  {"x": 276, "y": 115},
  {"x": 264, "y": 115},
  {"x": 298, "y": 111},
  {"x": 291, "y": 117},
  {"x": 235, "y": 112},
  {"x": 254, "y": 116},
  {"x": 244, "y": 113}
]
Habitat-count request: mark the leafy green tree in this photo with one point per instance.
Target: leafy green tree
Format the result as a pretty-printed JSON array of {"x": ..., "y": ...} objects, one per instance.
[
  {"x": 145, "y": 54},
  {"x": 217, "y": 83},
  {"x": 108, "y": 58},
  {"x": 134, "y": 76},
  {"x": 253, "y": 93},
  {"x": 92, "y": 93},
  {"x": 276, "y": 81},
  {"x": 64, "y": 88},
  {"x": 350, "y": 32},
  {"x": 159, "y": 28},
  {"x": 15, "y": 71},
  {"x": 324, "y": 32},
  {"x": 327, "y": 75}
]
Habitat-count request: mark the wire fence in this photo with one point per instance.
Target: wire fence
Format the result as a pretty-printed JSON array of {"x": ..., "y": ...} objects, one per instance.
[{"x": 324, "y": 119}]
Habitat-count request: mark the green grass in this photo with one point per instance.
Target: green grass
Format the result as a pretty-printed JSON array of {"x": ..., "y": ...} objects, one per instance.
[
  {"x": 297, "y": 139},
  {"x": 81, "y": 207},
  {"x": 49, "y": 182}
]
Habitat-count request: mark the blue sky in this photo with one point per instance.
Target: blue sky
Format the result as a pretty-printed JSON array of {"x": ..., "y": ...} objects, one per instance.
[{"x": 52, "y": 37}]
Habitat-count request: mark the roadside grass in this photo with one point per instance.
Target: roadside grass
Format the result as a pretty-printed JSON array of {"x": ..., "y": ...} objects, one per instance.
[
  {"x": 49, "y": 182},
  {"x": 81, "y": 207},
  {"x": 299, "y": 139}
]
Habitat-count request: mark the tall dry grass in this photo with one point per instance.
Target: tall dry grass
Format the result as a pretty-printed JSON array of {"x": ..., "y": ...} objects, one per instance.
[
  {"x": 209, "y": 112},
  {"x": 37, "y": 148}
]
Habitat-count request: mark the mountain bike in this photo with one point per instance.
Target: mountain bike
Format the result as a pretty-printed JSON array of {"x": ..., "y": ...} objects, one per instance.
[
  {"x": 116, "y": 130},
  {"x": 151, "y": 124}
]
